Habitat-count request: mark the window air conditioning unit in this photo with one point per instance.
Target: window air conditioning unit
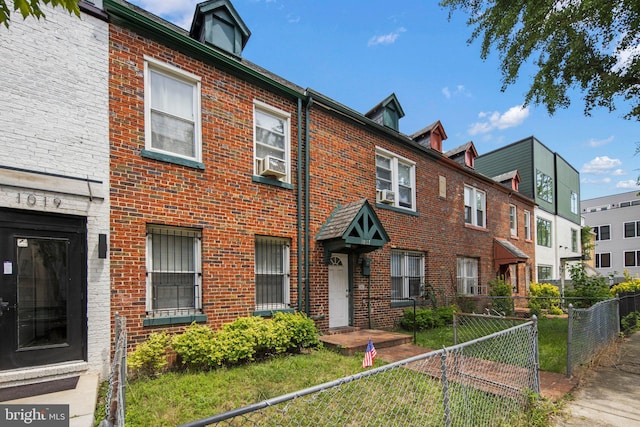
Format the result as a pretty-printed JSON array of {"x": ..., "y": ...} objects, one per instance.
[
  {"x": 386, "y": 196},
  {"x": 272, "y": 166}
]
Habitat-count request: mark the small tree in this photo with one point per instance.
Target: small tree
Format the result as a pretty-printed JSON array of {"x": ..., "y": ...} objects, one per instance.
[
  {"x": 589, "y": 289},
  {"x": 502, "y": 291}
]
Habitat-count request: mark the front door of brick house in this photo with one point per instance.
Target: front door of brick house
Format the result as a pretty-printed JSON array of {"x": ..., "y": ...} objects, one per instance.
[
  {"x": 338, "y": 290},
  {"x": 42, "y": 287}
]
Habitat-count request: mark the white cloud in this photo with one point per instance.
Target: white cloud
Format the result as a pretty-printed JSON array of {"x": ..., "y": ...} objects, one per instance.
[
  {"x": 599, "y": 142},
  {"x": 618, "y": 172},
  {"x": 291, "y": 19},
  {"x": 386, "y": 38},
  {"x": 600, "y": 165},
  {"x": 629, "y": 184},
  {"x": 459, "y": 90},
  {"x": 178, "y": 12},
  {"x": 605, "y": 180},
  {"x": 513, "y": 117}
]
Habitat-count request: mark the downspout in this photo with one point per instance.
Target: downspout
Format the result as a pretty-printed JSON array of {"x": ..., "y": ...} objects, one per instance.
[
  {"x": 299, "y": 206},
  {"x": 306, "y": 205}
]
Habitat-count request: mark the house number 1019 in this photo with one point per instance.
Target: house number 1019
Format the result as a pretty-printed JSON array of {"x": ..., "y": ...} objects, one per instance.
[{"x": 33, "y": 200}]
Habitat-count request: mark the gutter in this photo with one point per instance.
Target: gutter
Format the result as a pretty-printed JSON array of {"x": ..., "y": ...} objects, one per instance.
[{"x": 124, "y": 15}]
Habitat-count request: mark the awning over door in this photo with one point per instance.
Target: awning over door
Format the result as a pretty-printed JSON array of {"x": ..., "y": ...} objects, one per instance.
[
  {"x": 353, "y": 227},
  {"x": 505, "y": 252}
]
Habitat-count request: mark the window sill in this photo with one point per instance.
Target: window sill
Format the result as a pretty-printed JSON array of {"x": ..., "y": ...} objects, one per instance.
[
  {"x": 396, "y": 209},
  {"x": 172, "y": 159},
  {"x": 271, "y": 181},
  {"x": 475, "y": 227},
  {"x": 174, "y": 320},
  {"x": 269, "y": 313},
  {"x": 401, "y": 304},
  {"x": 512, "y": 237}
]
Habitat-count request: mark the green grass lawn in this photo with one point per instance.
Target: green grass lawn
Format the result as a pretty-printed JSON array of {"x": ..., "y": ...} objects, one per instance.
[
  {"x": 175, "y": 398},
  {"x": 552, "y": 342}
]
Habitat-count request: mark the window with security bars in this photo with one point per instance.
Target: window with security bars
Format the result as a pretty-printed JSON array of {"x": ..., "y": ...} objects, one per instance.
[
  {"x": 407, "y": 274},
  {"x": 468, "y": 277},
  {"x": 272, "y": 273},
  {"x": 173, "y": 270}
]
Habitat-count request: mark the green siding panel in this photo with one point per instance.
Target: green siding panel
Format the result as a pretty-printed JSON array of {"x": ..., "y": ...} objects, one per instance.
[{"x": 515, "y": 156}]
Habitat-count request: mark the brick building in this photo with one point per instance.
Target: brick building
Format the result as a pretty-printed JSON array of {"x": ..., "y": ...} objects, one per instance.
[{"x": 234, "y": 192}]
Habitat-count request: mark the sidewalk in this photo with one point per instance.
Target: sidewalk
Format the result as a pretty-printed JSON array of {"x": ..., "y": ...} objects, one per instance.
[{"x": 610, "y": 396}]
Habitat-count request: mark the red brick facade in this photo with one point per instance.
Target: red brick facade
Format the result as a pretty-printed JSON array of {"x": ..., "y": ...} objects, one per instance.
[{"x": 230, "y": 207}]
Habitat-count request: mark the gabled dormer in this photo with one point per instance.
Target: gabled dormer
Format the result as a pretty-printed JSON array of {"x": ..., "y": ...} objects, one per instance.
[
  {"x": 216, "y": 23},
  {"x": 509, "y": 179},
  {"x": 431, "y": 136},
  {"x": 387, "y": 113},
  {"x": 465, "y": 154}
]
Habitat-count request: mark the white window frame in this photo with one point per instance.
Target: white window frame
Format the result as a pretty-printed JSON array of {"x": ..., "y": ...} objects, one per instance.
[
  {"x": 636, "y": 258},
  {"x": 405, "y": 257},
  {"x": 599, "y": 233},
  {"x": 395, "y": 162},
  {"x": 196, "y": 235},
  {"x": 527, "y": 225},
  {"x": 574, "y": 202},
  {"x": 153, "y": 65},
  {"x": 549, "y": 268},
  {"x": 574, "y": 240},
  {"x": 513, "y": 220},
  {"x": 473, "y": 198},
  {"x": 550, "y": 236},
  {"x": 468, "y": 276},
  {"x": 598, "y": 260},
  {"x": 636, "y": 229},
  {"x": 285, "y": 245},
  {"x": 269, "y": 110}
]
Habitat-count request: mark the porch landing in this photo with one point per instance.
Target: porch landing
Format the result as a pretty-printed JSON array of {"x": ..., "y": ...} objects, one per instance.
[{"x": 349, "y": 341}]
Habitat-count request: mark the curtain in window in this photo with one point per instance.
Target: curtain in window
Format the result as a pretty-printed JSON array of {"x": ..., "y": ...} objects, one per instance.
[
  {"x": 404, "y": 185},
  {"x": 407, "y": 274},
  {"x": 270, "y": 136},
  {"x": 172, "y": 115},
  {"x": 383, "y": 173},
  {"x": 467, "y": 273}
]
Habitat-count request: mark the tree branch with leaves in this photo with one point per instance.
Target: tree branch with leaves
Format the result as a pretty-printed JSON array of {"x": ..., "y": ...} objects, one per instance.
[
  {"x": 33, "y": 8},
  {"x": 592, "y": 46}
]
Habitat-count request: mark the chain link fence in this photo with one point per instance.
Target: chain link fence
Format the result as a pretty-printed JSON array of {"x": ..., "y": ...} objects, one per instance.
[
  {"x": 590, "y": 329},
  {"x": 469, "y": 326},
  {"x": 115, "y": 400},
  {"x": 483, "y": 382}
]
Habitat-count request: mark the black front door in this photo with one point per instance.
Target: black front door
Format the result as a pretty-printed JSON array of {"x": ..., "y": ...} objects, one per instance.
[{"x": 42, "y": 289}]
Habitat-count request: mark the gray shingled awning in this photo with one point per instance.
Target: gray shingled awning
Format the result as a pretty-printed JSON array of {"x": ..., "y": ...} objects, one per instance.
[
  {"x": 505, "y": 252},
  {"x": 353, "y": 227}
]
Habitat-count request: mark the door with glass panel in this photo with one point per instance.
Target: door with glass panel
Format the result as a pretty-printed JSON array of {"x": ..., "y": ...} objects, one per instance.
[{"x": 42, "y": 289}]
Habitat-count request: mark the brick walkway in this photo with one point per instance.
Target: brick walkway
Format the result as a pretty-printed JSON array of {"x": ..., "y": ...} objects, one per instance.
[{"x": 393, "y": 347}]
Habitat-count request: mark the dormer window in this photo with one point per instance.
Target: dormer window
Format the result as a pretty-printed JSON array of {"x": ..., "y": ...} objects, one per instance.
[
  {"x": 387, "y": 113},
  {"x": 217, "y": 23}
]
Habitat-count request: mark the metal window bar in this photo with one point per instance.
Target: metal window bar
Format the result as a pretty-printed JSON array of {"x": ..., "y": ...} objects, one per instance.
[
  {"x": 270, "y": 274},
  {"x": 175, "y": 273}
]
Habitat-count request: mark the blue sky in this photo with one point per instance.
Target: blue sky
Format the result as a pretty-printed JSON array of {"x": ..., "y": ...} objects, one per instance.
[{"x": 359, "y": 52}]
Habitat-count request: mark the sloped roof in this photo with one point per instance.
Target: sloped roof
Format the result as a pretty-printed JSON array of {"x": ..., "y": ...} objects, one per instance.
[
  {"x": 388, "y": 100},
  {"x": 507, "y": 176},
  {"x": 505, "y": 252},
  {"x": 461, "y": 149}
]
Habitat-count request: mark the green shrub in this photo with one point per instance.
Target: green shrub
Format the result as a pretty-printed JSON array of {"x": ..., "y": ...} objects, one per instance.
[
  {"x": 296, "y": 331},
  {"x": 503, "y": 304},
  {"x": 631, "y": 322},
  {"x": 445, "y": 314},
  {"x": 631, "y": 285},
  {"x": 544, "y": 296},
  {"x": 196, "y": 347},
  {"x": 245, "y": 339},
  {"x": 556, "y": 311},
  {"x": 150, "y": 357},
  {"x": 587, "y": 290}
]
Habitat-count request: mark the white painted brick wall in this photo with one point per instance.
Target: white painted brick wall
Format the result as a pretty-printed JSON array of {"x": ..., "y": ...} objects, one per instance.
[{"x": 54, "y": 119}]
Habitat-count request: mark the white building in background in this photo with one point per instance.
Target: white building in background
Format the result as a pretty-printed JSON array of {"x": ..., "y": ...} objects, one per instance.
[
  {"x": 54, "y": 196},
  {"x": 615, "y": 220}
]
